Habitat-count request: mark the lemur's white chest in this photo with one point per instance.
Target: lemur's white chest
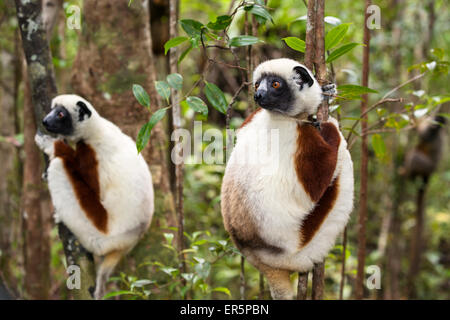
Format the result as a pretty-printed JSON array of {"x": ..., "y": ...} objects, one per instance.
[{"x": 262, "y": 162}]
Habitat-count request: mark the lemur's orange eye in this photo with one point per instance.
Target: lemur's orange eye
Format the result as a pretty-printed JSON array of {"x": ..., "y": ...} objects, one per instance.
[
  {"x": 256, "y": 86},
  {"x": 60, "y": 115},
  {"x": 276, "y": 84}
]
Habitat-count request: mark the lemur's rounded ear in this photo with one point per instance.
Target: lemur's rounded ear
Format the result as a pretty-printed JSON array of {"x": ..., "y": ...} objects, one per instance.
[
  {"x": 304, "y": 75},
  {"x": 84, "y": 110}
]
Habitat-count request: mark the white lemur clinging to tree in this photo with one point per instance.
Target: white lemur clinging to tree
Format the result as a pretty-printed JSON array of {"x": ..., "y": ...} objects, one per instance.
[
  {"x": 102, "y": 191},
  {"x": 289, "y": 219}
]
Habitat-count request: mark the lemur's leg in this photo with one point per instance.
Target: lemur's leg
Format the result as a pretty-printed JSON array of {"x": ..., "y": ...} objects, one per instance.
[
  {"x": 279, "y": 280},
  {"x": 279, "y": 283},
  {"x": 46, "y": 144},
  {"x": 104, "y": 270}
]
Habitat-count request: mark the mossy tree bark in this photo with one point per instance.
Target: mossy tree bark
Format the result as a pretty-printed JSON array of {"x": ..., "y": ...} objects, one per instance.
[{"x": 42, "y": 89}]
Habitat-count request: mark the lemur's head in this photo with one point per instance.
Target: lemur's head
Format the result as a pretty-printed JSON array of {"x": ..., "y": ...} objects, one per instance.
[
  {"x": 286, "y": 86},
  {"x": 69, "y": 116},
  {"x": 429, "y": 127}
]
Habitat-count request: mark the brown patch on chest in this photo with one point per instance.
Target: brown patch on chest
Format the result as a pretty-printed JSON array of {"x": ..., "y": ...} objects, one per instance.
[
  {"x": 312, "y": 223},
  {"x": 82, "y": 168},
  {"x": 316, "y": 157},
  {"x": 239, "y": 222},
  {"x": 250, "y": 117}
]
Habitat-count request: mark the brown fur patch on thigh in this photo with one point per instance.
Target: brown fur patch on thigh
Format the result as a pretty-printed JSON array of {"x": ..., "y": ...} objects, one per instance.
[
  {"x": 239, "y": 222},
  {"x": 82, "y": 168}
]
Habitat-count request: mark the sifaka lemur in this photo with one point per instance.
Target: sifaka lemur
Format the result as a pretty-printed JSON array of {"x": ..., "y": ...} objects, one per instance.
[
  {"x": 284, "y": 214},
  {"x": 102, "y": 190}
]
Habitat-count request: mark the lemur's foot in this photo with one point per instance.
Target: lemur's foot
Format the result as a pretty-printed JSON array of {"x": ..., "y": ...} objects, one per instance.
[{"x": 329, "y": 91}]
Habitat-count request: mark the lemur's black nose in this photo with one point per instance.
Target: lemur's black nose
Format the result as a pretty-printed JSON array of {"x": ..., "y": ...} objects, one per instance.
[
  {"x": 45, "y": 122},
  {"x": 257, "y": 96}
]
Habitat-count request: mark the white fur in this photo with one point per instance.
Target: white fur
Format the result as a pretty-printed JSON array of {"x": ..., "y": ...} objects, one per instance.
[
  {"x": 308, "y": 99},
  {"x": 279, "y": 202},
  {"x": 126, "y": 190}
]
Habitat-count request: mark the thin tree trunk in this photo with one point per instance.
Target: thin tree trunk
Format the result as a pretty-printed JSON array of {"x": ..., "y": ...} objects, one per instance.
[
  {"x": 318, "y": 281},
  {"x": 344, "y": 258},
  {"x": 394, "y": 255},
  {"x": 302, "y": 286},
  {"x": 322, "y": 115},
  {"x": 417, "y": 242},
  {"x": 359, "y": 289},
  {"x": 242, "y": 279},
  {"x": 176, "y": 123},
  {"x": 310, "y": 41},
  {"x": 261, "y": 286}
]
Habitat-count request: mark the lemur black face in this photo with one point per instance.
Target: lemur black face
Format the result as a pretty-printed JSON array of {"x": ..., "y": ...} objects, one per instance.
[
  {"x": 273, "y": 93},
  {"x": 59, "y": 121}
]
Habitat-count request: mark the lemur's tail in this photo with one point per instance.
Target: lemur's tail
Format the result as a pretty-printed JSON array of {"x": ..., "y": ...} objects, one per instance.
[{"x": 104, "y": 270}]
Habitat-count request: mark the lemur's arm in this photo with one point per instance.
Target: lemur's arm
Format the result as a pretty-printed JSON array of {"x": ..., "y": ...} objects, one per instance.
[
  {"x": 316, "y": 157},
  {"x": 46, "y": 144}
]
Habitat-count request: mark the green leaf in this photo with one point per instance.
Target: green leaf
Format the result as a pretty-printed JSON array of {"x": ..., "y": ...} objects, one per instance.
[
  {"x": 163, "y": 89},
  {"x": 144, "y": 133},
  {"x": 191, "y": 27},
  {"x": 241, "y": 41},
  {"x": 341, "y": 51},
  {"x": 185, "y": 53},
  {"x": 173, "y": 43},
  {"x": 175, "y": 80},
  {"x": 295, "y": 43},
  {"x": 353, "y": 89},
  {"x": 117, "y": 293},
  {"x": 141, "y": 95},
  {"x": 197, "y": 104},
  {"x": 352, "y": 92},
  {"x": 261, "y": 12},
  {"x": 378, "y": 146},
  {"x": 221, "y": 23},
  {"x": 223, "y": 290},
  {"x": 335, "y": 36},
  {"x": 216, "y": 97}
]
